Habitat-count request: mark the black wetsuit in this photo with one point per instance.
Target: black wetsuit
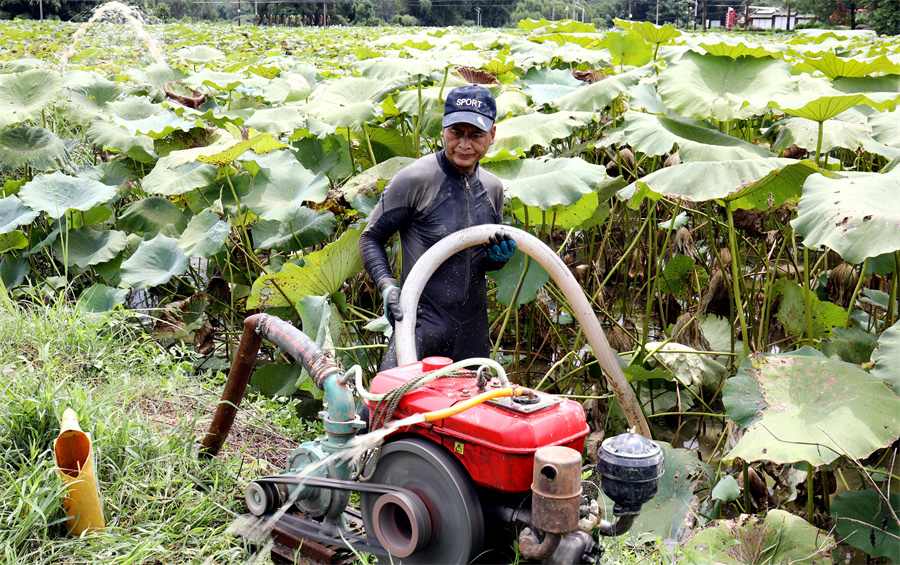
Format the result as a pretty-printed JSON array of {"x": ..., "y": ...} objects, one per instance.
[{"x": 426, "y": 202}]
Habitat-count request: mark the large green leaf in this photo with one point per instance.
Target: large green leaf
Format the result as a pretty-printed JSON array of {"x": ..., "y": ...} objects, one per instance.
[
  {"x": 154, "y": 263},
  {"x": 805, "y": 134},
  {"x": 546, "y": 84},
  {"x": 696, "y": 141},
  {"x": 24, "y": 96},
  {"x": 57, "y": 193},
  {"x": 834, "y": 66},
  {"x": 323, "y": 273},
  {"x": 84, "y": 247},
  {"x": 199, "y": 54},
  {"x": 283, "y": 119},
  {"x": 509, "y": 276},
  {"x": 277, "y": 379},
  {"x": 559, "y": 216},
  {"x": 392, "y": 67},
  {"x": 171, "y": 179},
  {"x": 13, "y": 270},
  {"x": 110, "y": 136},
  {"x": 886, "y": 128},
  {"x": 351, "y": 101},
  {"x": 90, "y": 101},
  {"x": 857, "y": 216},
  {"x": 734, "y": 47},
  {"x": 548, "y": 182},
  {"x": 278, "y": 193},
  {"x": 36, "y": 147},
  {"x": 627, "y": 49},
  {"x": 649, "y": 31},
  {"x": 595, "y": 97},
  {"x": 864, "y": 521},
  {"x": 101, "y": 298},
  {"x": 792, "y": 310},
  {"x": 305, "y": 229},
  {"x": 671, "y": 508},
  {"x": 14, "y": 214},
  {"x": 748, "y": 183},
  {"x": 811, "y": 409},
  {"x": 373, "y": 179},
  {"x": 12, "y": 240},
  {"x": 887, "y": 358},
  {"x": 780, "y": 538},
  {"x": 518, "y": 135},
  {"x": 824, "y": 107},
  {"x": 708, "y": 86},
  {"x": 852, "y": 345},
  {"x": 152, "y": 216},
  {"x": 205, "y": 234}
]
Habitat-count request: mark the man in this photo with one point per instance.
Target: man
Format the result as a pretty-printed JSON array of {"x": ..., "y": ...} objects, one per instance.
[{"x": 434, "y": 197}]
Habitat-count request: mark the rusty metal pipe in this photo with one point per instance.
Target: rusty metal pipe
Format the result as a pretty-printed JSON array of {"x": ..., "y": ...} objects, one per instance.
[
  {"x": 235, "y": 386},
  {"x": 617, "y": 528},
  {"x": 530, "y": 548}
]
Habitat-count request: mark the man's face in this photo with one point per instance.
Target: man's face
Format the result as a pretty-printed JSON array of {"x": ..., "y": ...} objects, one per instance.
[{"x": 465, "y": 145}]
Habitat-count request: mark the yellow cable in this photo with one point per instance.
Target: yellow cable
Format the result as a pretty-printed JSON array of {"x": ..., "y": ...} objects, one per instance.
[{"x": 474, "y": 401}]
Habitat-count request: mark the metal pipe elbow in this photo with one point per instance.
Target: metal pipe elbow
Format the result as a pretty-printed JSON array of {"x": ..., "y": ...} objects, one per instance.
[{"x": 531, "y": 548}]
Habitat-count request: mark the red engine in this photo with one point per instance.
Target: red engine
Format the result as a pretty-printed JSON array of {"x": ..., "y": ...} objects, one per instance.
[{"x": 495, "y": 441}]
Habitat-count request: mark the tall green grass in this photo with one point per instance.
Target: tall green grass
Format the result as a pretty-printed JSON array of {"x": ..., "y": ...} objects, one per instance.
[{"x": 162, "y": 505}]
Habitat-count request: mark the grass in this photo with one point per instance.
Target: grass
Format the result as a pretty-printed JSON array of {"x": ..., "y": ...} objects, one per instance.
[
  {"x": 144, "y": 411},
  {"x": 162, "y": 505}
]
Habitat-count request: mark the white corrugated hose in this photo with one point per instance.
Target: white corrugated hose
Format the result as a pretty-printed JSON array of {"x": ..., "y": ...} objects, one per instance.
[{"x": 537, "y": 250}]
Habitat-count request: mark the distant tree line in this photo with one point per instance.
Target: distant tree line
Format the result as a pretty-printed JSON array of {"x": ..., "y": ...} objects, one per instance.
[{"x": 881, "y": 15}]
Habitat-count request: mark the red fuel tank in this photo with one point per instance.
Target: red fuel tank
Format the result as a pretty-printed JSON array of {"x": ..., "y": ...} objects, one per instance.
[{"x": 495, "y": 440}]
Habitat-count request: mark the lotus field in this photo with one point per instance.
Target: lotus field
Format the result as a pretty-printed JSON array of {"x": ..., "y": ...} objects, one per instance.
[{"x": 730, "y": 204}]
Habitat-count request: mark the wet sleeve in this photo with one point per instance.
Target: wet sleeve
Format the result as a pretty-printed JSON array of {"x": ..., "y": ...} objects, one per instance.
[{"x": 392, "y": 213}]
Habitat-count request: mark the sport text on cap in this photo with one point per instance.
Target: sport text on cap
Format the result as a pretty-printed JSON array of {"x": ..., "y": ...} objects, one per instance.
[{"x": 471, "y": 104}]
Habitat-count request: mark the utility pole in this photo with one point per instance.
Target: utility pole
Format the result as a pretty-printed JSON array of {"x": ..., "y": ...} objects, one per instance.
[
  {"x": 747, "y": 16},
  {"x": 478, "y": 19},
  {"x": 239, "y": 13},
  {"x": 704, "y": 15},
  {"x": 41, "y": 8},
  {"x": 324, "y": 14},
  {"x": 553, "y": 10},
  {"x": 789, "y": 17},
  {"x": 657, "y": 12}
]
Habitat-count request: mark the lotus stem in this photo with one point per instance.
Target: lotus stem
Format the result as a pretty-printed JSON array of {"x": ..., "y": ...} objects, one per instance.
[
  {"x": 889, "y": 321},
  {"x": 369, "y": 144},
  {"x": 419, "y": 117},
  {"x": 746, "y": 471},
  {"x": 819, "y": 141},
  {"x": 511, "y": 307},
  {"x": 810, "y": 504},
  {"x": 807, "y": 299},
  {"x": 735, "y": 278},
  {"x": 859, "y": 283}
]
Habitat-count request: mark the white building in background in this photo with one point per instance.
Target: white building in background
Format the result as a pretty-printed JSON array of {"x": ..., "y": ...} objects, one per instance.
[{"x": 767, "y": 17}]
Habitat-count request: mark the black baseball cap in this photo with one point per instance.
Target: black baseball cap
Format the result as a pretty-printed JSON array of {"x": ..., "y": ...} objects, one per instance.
[{"x": 470, "y": 104}]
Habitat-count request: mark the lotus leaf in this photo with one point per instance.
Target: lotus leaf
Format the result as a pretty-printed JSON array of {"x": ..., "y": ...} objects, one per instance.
[
  {"x": 652, "y": 33},
  {"x": 780, "y": 538},
  {"x": 323, "y": 273},
  {"x": 670, "y": 510},
  {"x": 169, "y": 179},
  {"x": 57, "y": 193},
  {"x": 595, "y": 97},
  {"x": 726, "y": 490},
  {"x": 350, "y": 101},
  {"x": 627, "y": 49},
  {"x": 157, "y": 126},
  {"x": 392, "y": 67},
  {"x": 805, "y": 134},
  {"x": 84, "y": 247},
  {"x": 792, "y": 311},
  {"x": 152, "y": 216},
  {"x": 748, "y": 183},
  {"x": 205, "y": 234},
  {"x": 559, "y": 216},
  {"x": 678, "y": 276},
  {"x": 696, "y": 141},
  {"x": 305, "y": 229},
  {"x": 36, "y": 147},
  {"x": 276, "y": 121},
  {"x": 824, "y": 107},
  {"x": 89, "y": 102},
  {"x": 216, "y": 80},
  {"x": 101, "y": 298},
  {"x": 278, "y": 193},
  {"x": 544, "y": 85},
  {"x": 863, "y": 84},
  {"x": 110, "y": 136},
  {"x": 113, "y": 173},
  {"x": 14, "y": 214},
  {"x": 857, "y": 216},
  {"x": 154, "y": 263},
  {"x": 886, "y": 128},
  {"x": 509, "y": 276},
  {"x": 852, "y": 345},
  {"x": 887, "y": 358},
  {"x": 199, "y": 54},
  {"x": 328, "y": 156},
  {"x": 548, "y": 182},
  {"x": 709, "y": 86},
  {"x": 733, "y": 47},
  {"x": 520, "y": 134},
  {"x": 277, "y": 379},
  {"x": 10, "y": 241},
  {"x": 807, "y": 408},
  {"x": 834, "y": 66},
  {"x": 644, "y": 98},
  {"x": 24, "y": 95},
  {"x": 13, "y": 271},
  {"x": 865, "y": 521},
  {"x": 261, "y": 143},
  {"x": 686, "y": 364},
  {"x": 373, "y": 180},
  {"x": 576, "y": 51}
]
